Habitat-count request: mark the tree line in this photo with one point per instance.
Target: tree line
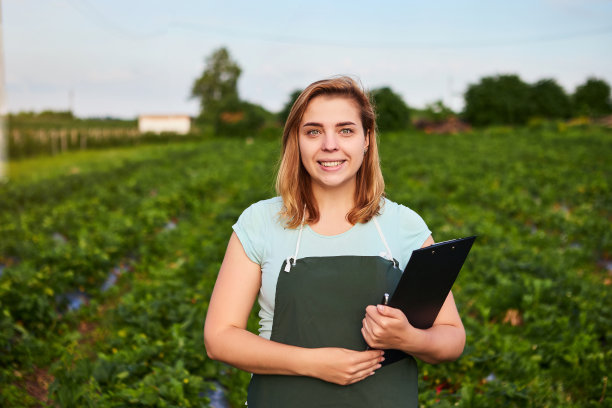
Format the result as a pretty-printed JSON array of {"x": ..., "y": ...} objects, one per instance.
[
  {"x": 506, "y": 99},
  {"x": 494, "y": 100}
]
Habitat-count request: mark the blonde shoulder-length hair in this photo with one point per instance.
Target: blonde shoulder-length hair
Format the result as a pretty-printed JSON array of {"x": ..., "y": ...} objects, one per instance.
[{"x": 293, "y": 182}]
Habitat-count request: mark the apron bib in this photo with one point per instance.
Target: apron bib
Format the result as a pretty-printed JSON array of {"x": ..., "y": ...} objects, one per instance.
[{"x": 320, "y": 302}]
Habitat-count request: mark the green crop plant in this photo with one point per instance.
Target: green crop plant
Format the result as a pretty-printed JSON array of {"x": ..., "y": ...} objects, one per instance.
[{"x": 108, "y": 259}]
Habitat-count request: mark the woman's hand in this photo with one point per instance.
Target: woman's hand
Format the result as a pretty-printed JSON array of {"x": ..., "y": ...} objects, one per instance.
[
  {"x": 343, "y": 366},
  {"x": 385, "y": 327}
]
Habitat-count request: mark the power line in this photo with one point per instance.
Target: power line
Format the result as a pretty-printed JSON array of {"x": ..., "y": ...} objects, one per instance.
[
  {"x": 394, "y": 45},
  {"x": 92, "y": 14},
  {"x": 102, "y": 21}
]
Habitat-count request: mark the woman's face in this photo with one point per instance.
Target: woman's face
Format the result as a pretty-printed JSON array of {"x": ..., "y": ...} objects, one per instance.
[{"x": 332, "y": 141}]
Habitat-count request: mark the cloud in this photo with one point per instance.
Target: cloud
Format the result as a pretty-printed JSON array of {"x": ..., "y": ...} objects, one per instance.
[{"x": 111, "y": 76}]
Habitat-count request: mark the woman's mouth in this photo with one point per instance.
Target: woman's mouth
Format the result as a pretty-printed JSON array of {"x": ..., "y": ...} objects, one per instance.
[{"x": 335, "y": 163}]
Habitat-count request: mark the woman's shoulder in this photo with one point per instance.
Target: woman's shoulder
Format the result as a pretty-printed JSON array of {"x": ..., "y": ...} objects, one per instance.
[
  {"x": 262, "y": 212},
  {"x": 392, "y": 211},
  {"x": 405, "y": 226},
  {"x": 256, "y": 226},
  {"x": 399, "y": 216},
  {"x": 270, "y": 206}
]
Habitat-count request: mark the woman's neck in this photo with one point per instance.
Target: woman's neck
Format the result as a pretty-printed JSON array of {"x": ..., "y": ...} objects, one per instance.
[{"x": 334, "y": 205}]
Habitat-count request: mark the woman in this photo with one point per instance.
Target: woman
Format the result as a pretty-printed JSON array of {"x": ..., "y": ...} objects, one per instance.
[{"x": 320, "y": 256}]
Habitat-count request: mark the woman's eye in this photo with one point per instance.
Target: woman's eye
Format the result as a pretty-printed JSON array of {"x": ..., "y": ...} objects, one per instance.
[
  {"x": 313, "y": 132},
  {"x": 346, "y": 131}
]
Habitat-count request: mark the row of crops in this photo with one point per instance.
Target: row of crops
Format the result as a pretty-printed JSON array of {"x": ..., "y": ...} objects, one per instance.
[
  {"x": 108, "y": 258},
  {"x": 29, "y": 142}
]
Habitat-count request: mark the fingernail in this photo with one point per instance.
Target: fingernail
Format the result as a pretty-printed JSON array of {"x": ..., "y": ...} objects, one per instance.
[
  {"x": 381, "y": 308},
  {"x": 372, "y": 373},
  {"x": 382, "y": 359}
]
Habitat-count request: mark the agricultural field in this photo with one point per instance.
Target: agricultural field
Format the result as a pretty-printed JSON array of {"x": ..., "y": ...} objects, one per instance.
[
  {"x": 108, "y": 259},
  {"x": 50, "y": 133}
]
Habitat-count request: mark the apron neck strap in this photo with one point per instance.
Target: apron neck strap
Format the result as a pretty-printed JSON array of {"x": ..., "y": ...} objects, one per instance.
[
  {"x": 387, "y": 255},
  {"x": 297, "y": 246}
]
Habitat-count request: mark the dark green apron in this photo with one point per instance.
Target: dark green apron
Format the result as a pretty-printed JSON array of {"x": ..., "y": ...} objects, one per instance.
[{"x": 320, "y": 302}]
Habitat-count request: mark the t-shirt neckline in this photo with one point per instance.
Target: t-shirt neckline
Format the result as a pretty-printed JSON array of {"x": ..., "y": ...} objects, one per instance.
[{"x": 341, "y": 235}]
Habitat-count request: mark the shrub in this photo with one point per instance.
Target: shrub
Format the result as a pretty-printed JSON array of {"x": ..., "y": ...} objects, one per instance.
[
  {"x": 497, "y": 100},
  {"x": 592, "y": 98},
  {"x": 549, "y": 100},
  {"x": 391, "y": 111}
]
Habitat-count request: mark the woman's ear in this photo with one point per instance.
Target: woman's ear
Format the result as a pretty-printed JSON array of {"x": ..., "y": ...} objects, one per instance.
[{"x": 367, "y": 140}]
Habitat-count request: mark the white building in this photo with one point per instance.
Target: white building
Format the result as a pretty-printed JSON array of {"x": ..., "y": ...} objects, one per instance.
[{"x": 180, "y": 124}]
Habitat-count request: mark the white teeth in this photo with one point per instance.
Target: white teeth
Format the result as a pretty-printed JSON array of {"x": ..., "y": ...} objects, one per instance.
[{"x": 331, "y": 164}]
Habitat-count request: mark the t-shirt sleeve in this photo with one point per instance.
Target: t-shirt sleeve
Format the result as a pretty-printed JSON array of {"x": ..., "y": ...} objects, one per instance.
[
  {"x": 251, "y": 231},
  {"x": 413, "y": 230}
]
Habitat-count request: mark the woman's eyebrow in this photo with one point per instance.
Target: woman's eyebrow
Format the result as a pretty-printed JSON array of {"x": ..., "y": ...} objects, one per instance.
[
  {"x": 339, "y": 124},
  {"x": 312, "y": 124}
]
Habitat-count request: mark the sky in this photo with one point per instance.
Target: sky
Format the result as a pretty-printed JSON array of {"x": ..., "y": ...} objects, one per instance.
[{"x": 123, "y": 58}]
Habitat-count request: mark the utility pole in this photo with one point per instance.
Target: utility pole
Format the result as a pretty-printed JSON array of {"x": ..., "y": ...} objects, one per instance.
[{"x": 3, "y": 127}]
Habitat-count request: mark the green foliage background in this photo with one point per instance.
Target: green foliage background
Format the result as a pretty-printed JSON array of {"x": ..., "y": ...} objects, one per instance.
[
  {"x": 503, "y": 99},
  {"x": 549, "y": 100},
  {"x": 508, "y": 100},
  {"x": 533, "y": 295},
  {"x": 592, "y": 98},
  {"x": 392, "y": 113}
]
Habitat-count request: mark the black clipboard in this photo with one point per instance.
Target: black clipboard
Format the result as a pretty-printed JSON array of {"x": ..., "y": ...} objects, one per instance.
[{"x": 426, "y": 282}]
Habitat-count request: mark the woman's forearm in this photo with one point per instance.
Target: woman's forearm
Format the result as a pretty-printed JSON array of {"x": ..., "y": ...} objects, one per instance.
[
  {"x": 249, "y": 352},
  {"x": 437, "y": 344},
  {"x": 257, "y": 355}
]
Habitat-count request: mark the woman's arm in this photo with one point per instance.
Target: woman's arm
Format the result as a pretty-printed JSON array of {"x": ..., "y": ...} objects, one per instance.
[
  {"x": 226, "y": 338},
  {"x": 385, "y": 327}
]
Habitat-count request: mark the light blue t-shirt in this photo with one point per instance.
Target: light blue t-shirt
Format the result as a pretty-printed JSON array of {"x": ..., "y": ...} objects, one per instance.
[{"x": 268, "y": 243}]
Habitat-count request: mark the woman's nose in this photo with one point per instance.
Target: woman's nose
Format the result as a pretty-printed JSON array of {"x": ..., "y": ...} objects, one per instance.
[{"x": 330, "y": 143}]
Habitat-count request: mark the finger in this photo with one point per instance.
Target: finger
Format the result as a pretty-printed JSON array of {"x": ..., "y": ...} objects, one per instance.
[
  {"x": 372, "y": 333},
  {"x": 373, "y": 316},
  {"x": 372, "y": 327},
  {"x": 364, "y": 358},
  {"x": 366, "y": 325},
  {"x": 376, "y": 325},
  {"x": 368, "y": 331},
  {"x": 371, "y": 341},
  {"x": 365, "y": 373},
  {"x": 371, "y": 355},
  {"x": 371, "y": 309},
  {"x": 359, "y": 357},
  {"x": 389, "y": 311},
  {"x": 379, "y": 312},
  {"x": 367, "y": 337},
  {"x": 364, "y": 368}
]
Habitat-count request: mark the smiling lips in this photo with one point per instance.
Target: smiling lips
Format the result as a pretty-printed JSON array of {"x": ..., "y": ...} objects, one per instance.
[{"x": 331, "y": 163}]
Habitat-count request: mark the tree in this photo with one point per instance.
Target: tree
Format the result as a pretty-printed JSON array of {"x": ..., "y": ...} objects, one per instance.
[
  {"x": 549, "y": 100},
  {"x": 218, "y": 84},
  {"x": 391, "y": 110},
  {"x": 284, "y": 113},
  {"x": 437, "y": 111},
  {"x": 239, "y": 118},
  {"x": 502, "y": 99},
  {"x": 592, "y": 98}
]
